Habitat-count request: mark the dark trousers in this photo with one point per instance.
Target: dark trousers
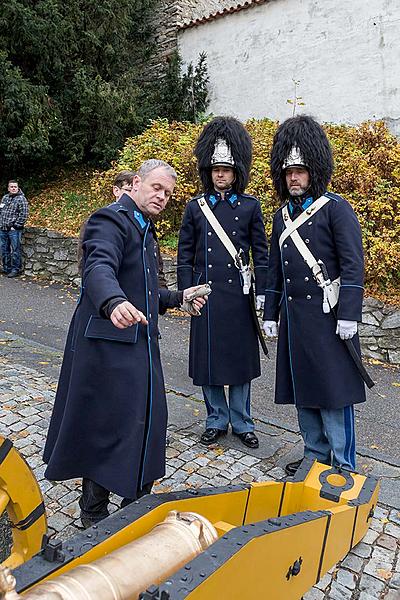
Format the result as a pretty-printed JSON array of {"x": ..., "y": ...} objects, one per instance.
[
  {"x": 95, "y": 498},
  {"x": 10, "y": 242}
]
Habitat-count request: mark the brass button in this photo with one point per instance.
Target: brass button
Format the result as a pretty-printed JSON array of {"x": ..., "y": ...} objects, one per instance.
[
  {"x": 236, "y": 218},
  {"x": 209, "y": 249},
  {"x": 210, "y": 266},
  {"x": 308, "y": 297},
  {"x": 290, "y": 298},
  {"x": 229, "y": 265},
  {"x": 229, "y": 280},
  {"x": 285, "y": 245},
  {"x": 233, "y": 232},
  {"x": 286, "y": 262},
  {"x": 210, "y": 282},
  {"x": 306, "y": 279},
  {"x": 288, "y": 280},
  {"x": 307, "y": 241},
  {"x": 209, "y": 233}
]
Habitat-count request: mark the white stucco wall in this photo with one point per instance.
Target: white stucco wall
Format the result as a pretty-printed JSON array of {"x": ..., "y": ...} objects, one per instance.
[{"x": 345, "y": 54}]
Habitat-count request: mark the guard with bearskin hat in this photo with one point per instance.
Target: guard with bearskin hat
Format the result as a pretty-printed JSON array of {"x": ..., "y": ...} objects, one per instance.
[
  {"x": 315, "y": 290},
  {"x": 220, "y": 229}
]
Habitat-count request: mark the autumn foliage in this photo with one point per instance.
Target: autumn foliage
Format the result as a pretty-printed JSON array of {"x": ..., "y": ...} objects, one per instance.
[{"x": 367, "y": 174}]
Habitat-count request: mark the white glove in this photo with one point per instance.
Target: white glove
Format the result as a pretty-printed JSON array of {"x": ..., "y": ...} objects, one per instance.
[
  {"x": 194, "y": 299},
  {"x": 270, "y": 328},
  {"x": 346, "y": 329},
  {"x": 260, "y": 301}
]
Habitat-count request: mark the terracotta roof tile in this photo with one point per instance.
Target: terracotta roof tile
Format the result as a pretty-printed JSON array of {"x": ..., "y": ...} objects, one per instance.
[{"x": 222, "y": 13}]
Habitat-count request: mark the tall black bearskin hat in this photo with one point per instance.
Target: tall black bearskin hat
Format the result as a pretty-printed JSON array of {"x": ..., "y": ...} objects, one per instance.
[
  {"x": 301, "y": 140},
  {"x": 224, "y": 141}
]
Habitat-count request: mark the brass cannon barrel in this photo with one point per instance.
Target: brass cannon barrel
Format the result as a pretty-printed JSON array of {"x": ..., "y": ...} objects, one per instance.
[{"x": 129, "y": 570}]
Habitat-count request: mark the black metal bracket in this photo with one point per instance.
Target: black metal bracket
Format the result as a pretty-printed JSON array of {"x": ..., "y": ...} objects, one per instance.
[
  {"x": 153, "y": 593},
  {"x": 333, "y": 492},
  {"x": 371, "y": 512},
  {"x": 52, "y": 549},
  {"x": 295, "y": 568}
]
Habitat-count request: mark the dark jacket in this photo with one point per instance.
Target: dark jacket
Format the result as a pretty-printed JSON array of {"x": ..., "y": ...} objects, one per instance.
[
  {"x": 162, "y": 280},
  {"x": 110, "y": 415},
  {"x": 13, "y": 211},
  {"x": 314, "y": 368},
  {"x": 223, "y": 340}
]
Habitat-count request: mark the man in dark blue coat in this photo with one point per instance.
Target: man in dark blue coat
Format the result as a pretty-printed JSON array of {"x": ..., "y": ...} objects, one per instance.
[
  {"x": 314, "y": 369},
  {"x": 109, "y": 420},
  {"x": 223, "y": 341}
]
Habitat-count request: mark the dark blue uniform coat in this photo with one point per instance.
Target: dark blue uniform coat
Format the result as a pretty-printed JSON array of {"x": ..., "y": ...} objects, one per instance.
[
  {"x": 223, "y": 340},
  {"x": 314, "y": 368},
  {"x": 110, "y": 416}
]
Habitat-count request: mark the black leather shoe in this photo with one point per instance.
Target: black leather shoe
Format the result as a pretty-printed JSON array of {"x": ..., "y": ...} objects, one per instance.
[
  {"x": 211, "y": 435},
  {"x": 90, "y": 521},
  {"x": 291, "y": 468},
  {"x": 248, "y": 438}
]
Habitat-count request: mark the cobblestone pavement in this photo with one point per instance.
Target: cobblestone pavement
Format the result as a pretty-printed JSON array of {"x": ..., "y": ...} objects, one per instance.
[{"x": 369, "y": 572}]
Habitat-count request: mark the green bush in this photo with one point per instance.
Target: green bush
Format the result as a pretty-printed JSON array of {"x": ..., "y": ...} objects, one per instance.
[{"x": 367, "y": 174}]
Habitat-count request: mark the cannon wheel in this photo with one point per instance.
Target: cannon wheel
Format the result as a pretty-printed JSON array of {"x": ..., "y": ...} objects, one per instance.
[{"x": 22, "y": 500}]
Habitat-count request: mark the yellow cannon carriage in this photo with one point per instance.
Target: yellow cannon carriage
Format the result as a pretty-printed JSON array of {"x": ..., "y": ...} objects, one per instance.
[{"x": 263, "y": 540}]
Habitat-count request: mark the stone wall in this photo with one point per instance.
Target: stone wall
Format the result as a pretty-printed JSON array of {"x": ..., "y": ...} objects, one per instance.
[
  {"x": 165, "y": 23},
  {"x": 51, "y": 255},
  {"x": 169, "y": 17},
  {"x": 380, "y": 331}
]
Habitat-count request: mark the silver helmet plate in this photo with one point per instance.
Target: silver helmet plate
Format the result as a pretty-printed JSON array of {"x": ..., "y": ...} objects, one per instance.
[
  {"x": 222, "y": 154},
  {"x": 294, "y": 159}
]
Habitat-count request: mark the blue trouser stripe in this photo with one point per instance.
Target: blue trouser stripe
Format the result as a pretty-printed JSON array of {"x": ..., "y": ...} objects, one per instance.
[
  {"x": 328, "y": 435},
  {"x": 349, "y": 433}
]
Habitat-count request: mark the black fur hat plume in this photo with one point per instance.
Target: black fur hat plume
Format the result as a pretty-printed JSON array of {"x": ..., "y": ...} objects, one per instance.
[
  {"x": 308, "y": 136},
  {"x": 239, "y": 143}
]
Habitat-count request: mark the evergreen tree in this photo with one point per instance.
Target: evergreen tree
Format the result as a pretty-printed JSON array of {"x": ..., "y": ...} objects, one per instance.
[
  {"x": 184, "y": 93},
  {"x": 70, "y": 84}
]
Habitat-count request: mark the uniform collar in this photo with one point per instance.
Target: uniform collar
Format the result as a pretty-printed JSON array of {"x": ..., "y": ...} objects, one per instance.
[
  {"x": 134, "y": 213},
  {"x": 303, "y": 204},
  {"x": 214, "y": 197}
]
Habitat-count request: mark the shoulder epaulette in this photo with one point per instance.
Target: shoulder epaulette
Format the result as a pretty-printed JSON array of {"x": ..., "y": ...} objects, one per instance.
[
  {"x": 249, "y": 196},
  {"x": 333, "y": 196},
  {"x": 117, "y": 207},
  {"x": 196, "y": 197}
]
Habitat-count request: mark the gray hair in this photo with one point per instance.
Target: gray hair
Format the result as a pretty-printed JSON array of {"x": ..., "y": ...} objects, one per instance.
[{"x": 153, "y": 163}]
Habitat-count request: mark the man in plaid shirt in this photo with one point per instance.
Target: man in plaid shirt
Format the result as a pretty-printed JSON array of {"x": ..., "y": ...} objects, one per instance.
[{"x": 13, "y": 214}]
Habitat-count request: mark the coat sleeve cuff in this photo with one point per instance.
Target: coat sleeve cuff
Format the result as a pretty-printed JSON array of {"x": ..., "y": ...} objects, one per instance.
[
  {"x": 185, "y": 276},
  {"x": 260, "y": 275},
  {"x": 350, "y": 302},
  {"x": 101, "y": 285},
  {"x": 169, "y": 299},
  {"x": 272, "y": 305},
  {"x": 109, "y": 306}
]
